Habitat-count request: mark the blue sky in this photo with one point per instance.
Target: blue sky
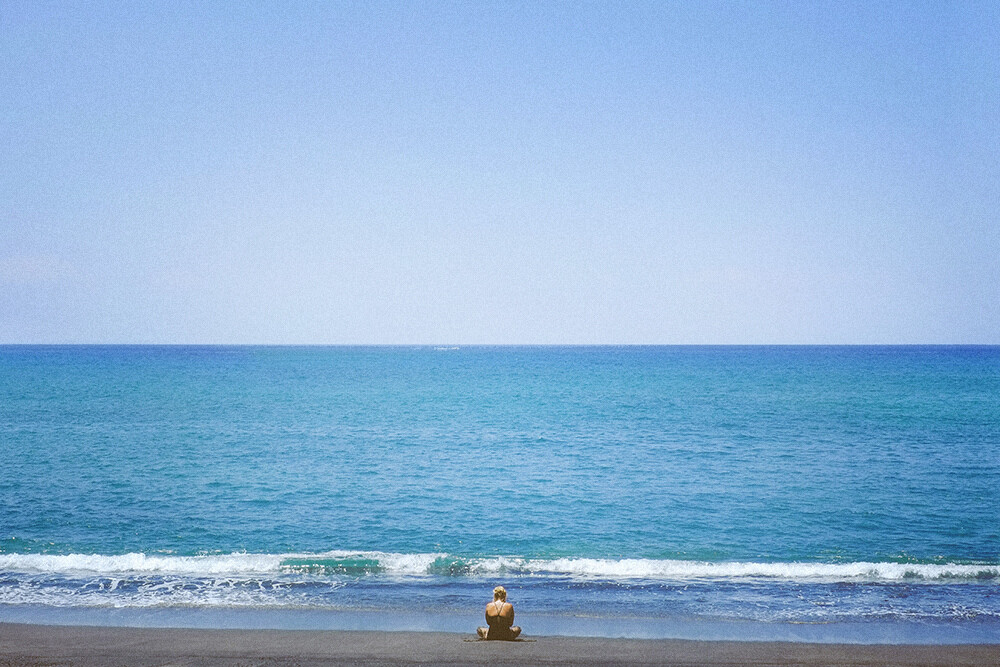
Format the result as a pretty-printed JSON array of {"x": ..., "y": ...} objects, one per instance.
[{"x": 435, "y": 172}]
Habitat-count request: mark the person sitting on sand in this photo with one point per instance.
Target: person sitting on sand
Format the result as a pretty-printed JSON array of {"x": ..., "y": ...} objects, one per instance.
[{"x": 499, "y": 618}]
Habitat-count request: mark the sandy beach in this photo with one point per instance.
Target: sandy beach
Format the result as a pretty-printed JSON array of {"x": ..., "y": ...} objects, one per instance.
[{"x": 85, "y": 646}]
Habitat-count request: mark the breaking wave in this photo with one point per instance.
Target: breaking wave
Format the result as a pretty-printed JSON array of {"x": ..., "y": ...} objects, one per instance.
[
  {"x": 346, "y": 580},
  {"x": 439, "y": 564}
]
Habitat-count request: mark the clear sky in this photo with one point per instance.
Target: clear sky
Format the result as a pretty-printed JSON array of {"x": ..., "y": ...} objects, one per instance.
[{"x": 431, "y": 172}]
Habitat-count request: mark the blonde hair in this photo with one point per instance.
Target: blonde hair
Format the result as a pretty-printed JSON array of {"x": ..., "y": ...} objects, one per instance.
[{"x": 500, "y": 593}]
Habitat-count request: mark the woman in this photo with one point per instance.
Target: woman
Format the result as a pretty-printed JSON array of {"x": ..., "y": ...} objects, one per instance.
[{"x": 499, "y": 618}]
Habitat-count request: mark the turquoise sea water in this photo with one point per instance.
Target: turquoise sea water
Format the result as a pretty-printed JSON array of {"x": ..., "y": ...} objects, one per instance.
[{"x": 655, "y": 491}]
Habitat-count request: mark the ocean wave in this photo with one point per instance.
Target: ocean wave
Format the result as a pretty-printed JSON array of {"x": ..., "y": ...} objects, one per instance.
[
  {"x": 441, "y": 564},
  {"x": 132, "y": 563},
  {"x": 680, "y": 569}
]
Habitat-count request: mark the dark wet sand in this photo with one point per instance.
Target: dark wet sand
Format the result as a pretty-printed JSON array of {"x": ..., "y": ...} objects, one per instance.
[{"x": 74, "y": 645}]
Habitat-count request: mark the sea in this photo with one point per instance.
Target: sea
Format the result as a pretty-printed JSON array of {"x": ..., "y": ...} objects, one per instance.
[{"x": 847, "y": 493}]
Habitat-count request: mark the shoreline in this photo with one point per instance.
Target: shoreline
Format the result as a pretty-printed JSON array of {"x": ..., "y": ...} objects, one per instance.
[
  {"x": 463, "y": 623},
  {"x": 89, "y": 646}
]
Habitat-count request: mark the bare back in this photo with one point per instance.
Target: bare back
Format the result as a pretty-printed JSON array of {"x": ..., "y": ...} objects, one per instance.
[{"x": 500, "y": 614}]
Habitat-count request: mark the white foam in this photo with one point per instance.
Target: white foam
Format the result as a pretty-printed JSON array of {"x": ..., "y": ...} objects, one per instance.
[
  {"x": 641, "y": 568},
  {"x": 131, "y": 563},
  {"x": 157, "y": 591},
  {"x": 406, "y": 563},
  {"x": 680, "y": 569},
  {"x": 420, "y": 564}
]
